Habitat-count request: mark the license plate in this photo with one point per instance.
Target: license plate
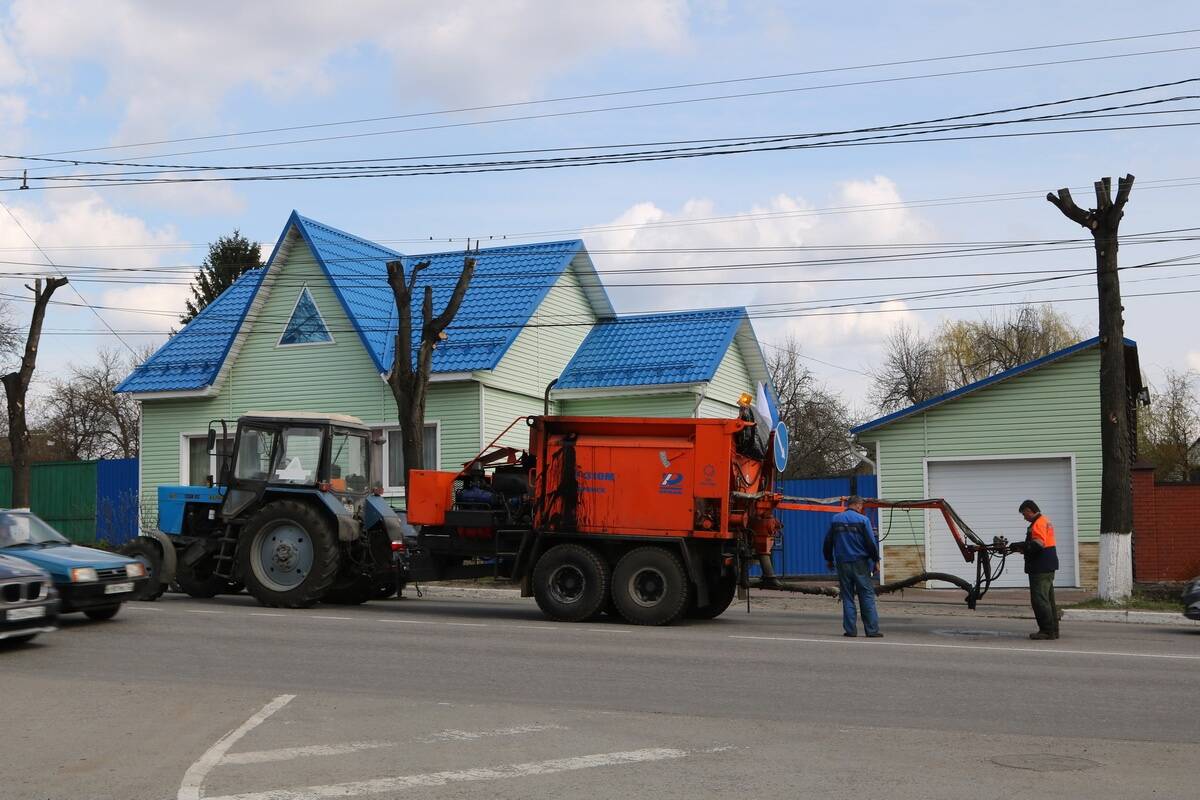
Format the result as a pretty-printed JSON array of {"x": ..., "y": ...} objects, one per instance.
[
  {"x": 26, "y": 613},
  {"x": 118, "y": 588}
]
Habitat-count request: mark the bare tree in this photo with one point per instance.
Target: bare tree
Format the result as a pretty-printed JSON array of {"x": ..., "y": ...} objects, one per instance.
[
  {"x": 16, "y": 386},
  {"x": 1170, "y": 425},
  {"x": 912, "y": 371},
  {"x": 817, "y": 419},
  {"x": 409, "y": 377},
  {"x": 88, "y": 417}
]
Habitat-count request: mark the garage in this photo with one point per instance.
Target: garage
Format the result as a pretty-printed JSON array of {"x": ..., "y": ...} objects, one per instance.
[{"x": 986, "y": 493}]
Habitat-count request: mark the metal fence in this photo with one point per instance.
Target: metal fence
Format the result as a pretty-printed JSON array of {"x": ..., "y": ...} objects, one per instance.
[
  {"x": 798, "y": 552},
  {"x": 85, "y": 500}
]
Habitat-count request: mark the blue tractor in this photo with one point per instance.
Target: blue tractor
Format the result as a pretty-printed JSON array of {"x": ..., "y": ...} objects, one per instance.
[{"x": 291, "y": 516}]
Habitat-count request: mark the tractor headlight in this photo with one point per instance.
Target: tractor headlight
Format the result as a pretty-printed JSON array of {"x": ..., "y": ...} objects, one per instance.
[
  {"x": 83, "y": 575},
  {"x": 135, "y": 570}
]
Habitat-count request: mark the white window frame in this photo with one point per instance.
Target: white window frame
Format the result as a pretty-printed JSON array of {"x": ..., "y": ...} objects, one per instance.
[
  {"x": 185, "y": 453},
  {"x": 279, "y": 342},
  {"x": 385, "y": 435}
]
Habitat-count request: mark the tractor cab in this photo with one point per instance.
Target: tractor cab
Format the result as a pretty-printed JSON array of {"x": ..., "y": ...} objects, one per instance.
[{"x": 294, "y": 452}]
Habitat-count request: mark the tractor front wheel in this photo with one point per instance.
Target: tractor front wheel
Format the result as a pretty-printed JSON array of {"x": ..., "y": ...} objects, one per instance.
[{"x": 288, "y": 554}]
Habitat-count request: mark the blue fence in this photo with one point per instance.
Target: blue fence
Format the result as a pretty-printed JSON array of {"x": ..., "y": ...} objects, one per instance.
[
  {"x": 117, "y": 500},
  {"x": 799, "y": 550}
]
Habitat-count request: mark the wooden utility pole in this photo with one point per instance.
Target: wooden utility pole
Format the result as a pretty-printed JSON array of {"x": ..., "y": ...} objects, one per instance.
[
  {"x": 1116, "y": 496},
  {"x": 16, "y": 385},
  {"x": 409, "y": 378}
]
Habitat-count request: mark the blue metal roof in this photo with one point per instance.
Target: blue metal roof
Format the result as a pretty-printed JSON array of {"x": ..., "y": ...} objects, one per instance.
[
  {"x": 508, "y": 286},
  {"x": 653, "y": 349},
  {"x": 192, "y": 358},
  {"x": 1000, "y": 376}
]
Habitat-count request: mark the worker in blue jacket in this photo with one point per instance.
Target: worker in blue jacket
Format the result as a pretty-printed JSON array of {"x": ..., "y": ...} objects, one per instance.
[{"x": 851, "y": 546}]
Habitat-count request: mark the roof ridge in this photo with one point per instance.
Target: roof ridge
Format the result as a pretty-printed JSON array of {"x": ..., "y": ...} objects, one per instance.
[
  {"x": 310, "y": 221},
  {"x": 557, "y": 242}
]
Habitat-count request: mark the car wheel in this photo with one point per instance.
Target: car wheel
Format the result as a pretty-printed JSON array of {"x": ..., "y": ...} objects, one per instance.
[{"x": 107, "y": 612}]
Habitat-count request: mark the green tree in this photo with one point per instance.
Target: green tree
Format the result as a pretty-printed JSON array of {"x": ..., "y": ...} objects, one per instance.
[{"x": 228, "y": 257}]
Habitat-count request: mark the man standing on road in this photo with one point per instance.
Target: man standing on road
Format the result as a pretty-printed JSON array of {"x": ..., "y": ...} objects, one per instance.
[
  {"x": 1041, "y": 562},
  {"x": 850, "y": 544}
]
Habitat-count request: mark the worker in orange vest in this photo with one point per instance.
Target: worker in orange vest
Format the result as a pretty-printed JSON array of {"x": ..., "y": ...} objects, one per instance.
[{"x": 1041, "y": 562}]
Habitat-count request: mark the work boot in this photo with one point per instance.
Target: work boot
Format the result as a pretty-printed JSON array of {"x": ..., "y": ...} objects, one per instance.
[
  {"x": 875, "y": 635},
  {"x": 1042, "y": 635}
]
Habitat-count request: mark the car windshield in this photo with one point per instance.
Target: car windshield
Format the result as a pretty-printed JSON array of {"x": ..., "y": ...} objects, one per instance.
[{"x": 23, "y": 529}]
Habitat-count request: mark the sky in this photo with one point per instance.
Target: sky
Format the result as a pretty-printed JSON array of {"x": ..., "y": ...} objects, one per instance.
[{"x": 116, "y": 80}]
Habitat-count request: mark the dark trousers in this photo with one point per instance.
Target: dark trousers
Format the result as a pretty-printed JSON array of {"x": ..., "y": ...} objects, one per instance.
[{"x": 1041, "y": 597}]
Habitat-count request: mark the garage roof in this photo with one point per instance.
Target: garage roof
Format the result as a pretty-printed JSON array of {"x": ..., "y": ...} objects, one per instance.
[{"x": 1133, "y": 373}]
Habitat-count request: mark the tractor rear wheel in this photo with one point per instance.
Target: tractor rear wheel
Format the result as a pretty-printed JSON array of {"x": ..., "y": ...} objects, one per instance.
[
  {"x": 650, "y": 586},
  {"x": 570, "y": 583},
  {"x": 149, "y": 553},
  {"x": 288, "y": 555}
]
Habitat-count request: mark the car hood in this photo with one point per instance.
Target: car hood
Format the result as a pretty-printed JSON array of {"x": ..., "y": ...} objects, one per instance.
[
  {"x": 17, "y": 568},
  {"x": 60, "y": 560}
]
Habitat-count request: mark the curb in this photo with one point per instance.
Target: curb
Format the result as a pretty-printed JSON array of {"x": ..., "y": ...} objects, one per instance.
[{"x": 1130, "y": 617}]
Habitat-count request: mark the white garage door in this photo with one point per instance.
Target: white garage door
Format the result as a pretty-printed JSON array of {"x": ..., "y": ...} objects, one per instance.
[{"x": 986, "y": 494}]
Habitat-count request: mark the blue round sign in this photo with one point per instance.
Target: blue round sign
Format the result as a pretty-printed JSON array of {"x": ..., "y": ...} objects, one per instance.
[{"x": 781, "y": 446}]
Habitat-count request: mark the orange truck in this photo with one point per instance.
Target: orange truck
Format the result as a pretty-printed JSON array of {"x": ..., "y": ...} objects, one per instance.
[{"x": 651, "y": 519}]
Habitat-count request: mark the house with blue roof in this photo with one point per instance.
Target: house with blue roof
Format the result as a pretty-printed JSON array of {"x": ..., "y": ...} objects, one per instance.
[
  {"x": 1031, "y": 432},
  {"x": 314, "y": 330}
]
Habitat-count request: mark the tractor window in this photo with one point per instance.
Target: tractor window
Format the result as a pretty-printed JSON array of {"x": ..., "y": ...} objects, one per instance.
[
  {"x": 348, "y": 469},
  {"x": 254, "y": 454},
  {"x": 299, "y": 456}
]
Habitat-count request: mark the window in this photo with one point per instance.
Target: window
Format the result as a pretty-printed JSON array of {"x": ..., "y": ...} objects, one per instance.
[
  {"x": 199, "y": 463},
  {"x": 299, "y": 457},
  {"x": 394, "y": 454},
  {"x": 349, "y": 464},
  {"x": 254, "y": 454},
  {"x": 306, "y": 325}
]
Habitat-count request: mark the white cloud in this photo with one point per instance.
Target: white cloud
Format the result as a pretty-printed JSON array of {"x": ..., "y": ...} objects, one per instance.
[
  {"x": 177, "y": 61},
  {"x": 1193, "y": 360}
]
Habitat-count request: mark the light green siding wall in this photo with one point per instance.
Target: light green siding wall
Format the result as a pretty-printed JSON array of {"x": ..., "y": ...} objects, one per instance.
[
  {"x": 730, "y": 381},
  {"x": 1053, "y": 409},
  {"x": 500, "y": 408},
  {"x": 539, "y": 354},
  {"x": 647, "y": 405},
  {"x": 339, "y": 378}
]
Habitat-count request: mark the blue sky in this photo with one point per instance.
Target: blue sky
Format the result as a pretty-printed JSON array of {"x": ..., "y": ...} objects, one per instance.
[{"x": 97, "y": 75}]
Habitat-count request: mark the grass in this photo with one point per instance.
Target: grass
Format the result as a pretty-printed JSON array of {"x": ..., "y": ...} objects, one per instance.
[{"x": 1137, "y": 602}]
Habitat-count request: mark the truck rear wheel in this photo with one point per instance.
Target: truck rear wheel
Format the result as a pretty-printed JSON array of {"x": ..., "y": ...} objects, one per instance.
[
  {"x": 570, "y": 583},
  {"x": 650, "y": 586},
  {"x": 288, "y": 555}
]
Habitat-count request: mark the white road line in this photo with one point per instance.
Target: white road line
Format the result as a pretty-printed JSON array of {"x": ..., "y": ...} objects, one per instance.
[
  {"x": 205, "y": 611},
  {"x": 438, "y": 622},
  {"x": 402, "y": 782},
  {"x": 324, "y": 616},
  {"x": 538, "y": 627},
  {"x": 608, "y": 630},
  {"x": 264, "y": 614},
  {"x": 1058, "y": 651},
  {"x": 462, "y": 736},
  {"x": 289, "y": 753},
  {"x": 193, "y": 779}
]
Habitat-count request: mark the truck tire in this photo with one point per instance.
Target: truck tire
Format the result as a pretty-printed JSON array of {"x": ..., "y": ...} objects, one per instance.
[
  {"x": 720, "y": 595},
  {"x": 288, "y": 555},
  {"x": 650, "y": 586},
  {"x": 149, "y": 553},
  {"x": 570, "y": 583}
]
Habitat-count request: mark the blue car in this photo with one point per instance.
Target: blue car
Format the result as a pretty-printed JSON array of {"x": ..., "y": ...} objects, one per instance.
[
  {"x": 28, "y": 601},
  {"x": 87, "y": 580}
]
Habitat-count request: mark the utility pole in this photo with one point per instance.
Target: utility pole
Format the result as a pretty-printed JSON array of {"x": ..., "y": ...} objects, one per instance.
[{"x": 1116, "y": 496}]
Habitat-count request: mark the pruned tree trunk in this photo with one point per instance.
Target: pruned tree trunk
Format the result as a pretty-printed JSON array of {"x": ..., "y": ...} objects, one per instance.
[
  {"x": 16, "y": 385},
  {"x": 1116, "y": 440},
  {"x": 409, "y": 378}
]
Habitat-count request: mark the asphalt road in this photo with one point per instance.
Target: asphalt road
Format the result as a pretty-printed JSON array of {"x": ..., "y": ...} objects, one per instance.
[{"x": 470, "y": 698}]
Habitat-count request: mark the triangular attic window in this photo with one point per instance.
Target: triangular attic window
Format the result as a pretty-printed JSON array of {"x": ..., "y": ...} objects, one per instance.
[{"x": 306, "y": 325}]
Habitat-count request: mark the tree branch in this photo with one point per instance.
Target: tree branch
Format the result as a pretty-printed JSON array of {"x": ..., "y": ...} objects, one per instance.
[{"x": 1066, "y": 204}]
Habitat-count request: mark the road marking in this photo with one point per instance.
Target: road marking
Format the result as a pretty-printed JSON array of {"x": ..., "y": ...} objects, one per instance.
[
  {"x": 462, "y": 736},
  {"x": 193, "y": 779},
  {"x": 265, "y": 614},
  {"x": 199, "y": 611},
  {"x": 438, "y": 622},
  {"x": 324, "y": 616},
  {"x": 289, "y": 753},
  {"x": 608, "y": 630},
  {"x": 133, "y": 607},
  {"x": 977, "y": 647},
  {"x": 402, "y": 782},
  {"x": 538, "y": 627}
]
